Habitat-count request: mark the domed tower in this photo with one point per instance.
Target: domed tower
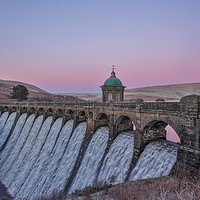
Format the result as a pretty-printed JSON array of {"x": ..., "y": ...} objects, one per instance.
[{"x": 112, "y": 89}]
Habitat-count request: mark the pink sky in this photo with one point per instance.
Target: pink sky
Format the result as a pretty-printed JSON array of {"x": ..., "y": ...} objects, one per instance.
[
  {"x": 71, "y": 46},
  {"x": 172, "y": 135}
]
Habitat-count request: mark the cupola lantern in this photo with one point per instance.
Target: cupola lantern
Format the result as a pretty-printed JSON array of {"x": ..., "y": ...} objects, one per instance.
[{"x": 112, "y": 89}]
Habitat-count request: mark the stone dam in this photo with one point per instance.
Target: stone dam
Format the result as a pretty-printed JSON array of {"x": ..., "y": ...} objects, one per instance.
[{"x": 47, "y": 147}]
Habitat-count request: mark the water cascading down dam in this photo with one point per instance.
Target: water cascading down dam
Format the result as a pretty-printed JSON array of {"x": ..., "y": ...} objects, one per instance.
[{"x": 47, "y": 148}]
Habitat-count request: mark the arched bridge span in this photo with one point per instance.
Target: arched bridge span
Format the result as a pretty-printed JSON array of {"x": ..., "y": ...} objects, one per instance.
[{"x": 148, "y": 118}]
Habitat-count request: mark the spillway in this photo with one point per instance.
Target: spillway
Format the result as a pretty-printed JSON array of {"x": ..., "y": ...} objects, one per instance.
[
  {"x": 69, "y": 159},
  {"x": 6, "y": 152},
  {"x": 5, "y": 131},
  {"x": 19, "y": 167},
  {"x": 91, "y": 161},
  {"x": 42, "y": 160},
  {"x": 6, "y": 173},
  {"x": 55, "y": 157},
  {"x": 21, "y": 181},
  {"x": 40, "y": 155},
  {"x": 3, "y": 119},
  {"x": 117, "y": 162},
  {"x": 156, "y": 160}
]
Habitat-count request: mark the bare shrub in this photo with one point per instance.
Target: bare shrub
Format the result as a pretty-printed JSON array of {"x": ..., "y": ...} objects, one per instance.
[{"x": 167, "y": 188}]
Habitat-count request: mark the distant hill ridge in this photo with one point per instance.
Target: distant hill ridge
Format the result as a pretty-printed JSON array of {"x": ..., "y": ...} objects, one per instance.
[
  {"x": 10, "y": 83},
  {"x": 150, "y": 93},
  {"x": 168, "y": 92},
  {"x": 35, "y": 93}
]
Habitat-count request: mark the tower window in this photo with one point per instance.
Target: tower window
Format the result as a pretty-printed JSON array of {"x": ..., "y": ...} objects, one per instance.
[
  {"x": 110, "y": 96},
  {"x": 118, "y": 96}
]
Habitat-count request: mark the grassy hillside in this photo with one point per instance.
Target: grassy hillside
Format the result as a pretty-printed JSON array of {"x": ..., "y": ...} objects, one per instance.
[
  {"x": 167, "y": 92},
  {"x": 35, "y": 93}
]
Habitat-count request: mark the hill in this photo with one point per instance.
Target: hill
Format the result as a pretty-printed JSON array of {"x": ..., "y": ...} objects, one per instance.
[
  {"x": 167, "y": 92},
  {"x": 35, "y": 93},
  {"x": 151, "y": 93}
]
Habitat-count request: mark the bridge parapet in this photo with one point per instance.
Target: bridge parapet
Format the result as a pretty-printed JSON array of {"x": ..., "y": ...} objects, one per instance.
[
  {"x": 190, "y": 106},
  {"x": 164, "y": 106}
]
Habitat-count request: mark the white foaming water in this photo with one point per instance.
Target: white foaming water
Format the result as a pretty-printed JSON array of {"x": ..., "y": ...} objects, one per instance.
[
  {"x": 16, "y": 149},
  {"x": 69, "y": 158},
  {"x": 22, "y": 180},
  {"x": 6, "y": 151},
  {"x": 156, "y": 160},
  {"x": 56, "y": 156},
  {"x": 117, "y": 162},
  {"x": 6, "y": 129},
  {"x": 36, "y": 161},
  {"x": 91, "y": 161},
  {"x": 43, "y": 160},
  {"x": 21, "y": 159},
  {"x": 3, "y": 119}
]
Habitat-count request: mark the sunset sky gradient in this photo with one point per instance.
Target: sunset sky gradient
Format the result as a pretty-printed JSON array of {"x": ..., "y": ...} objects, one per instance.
[{"x": 71, "y": 45}]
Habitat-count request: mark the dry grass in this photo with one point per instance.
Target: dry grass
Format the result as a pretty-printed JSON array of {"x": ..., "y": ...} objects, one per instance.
[
  {"x": 35, "y": 94},
  {"x": 166, "y": 188},
  {"x": 179, "y": 186}
]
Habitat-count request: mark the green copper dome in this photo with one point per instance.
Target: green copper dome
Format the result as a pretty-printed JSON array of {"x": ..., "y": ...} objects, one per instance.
[{"x": 113, "y": 80}]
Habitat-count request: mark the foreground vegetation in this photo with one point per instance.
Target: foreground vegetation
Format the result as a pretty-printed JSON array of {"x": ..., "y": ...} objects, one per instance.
[{"x": 166, "y": 188}]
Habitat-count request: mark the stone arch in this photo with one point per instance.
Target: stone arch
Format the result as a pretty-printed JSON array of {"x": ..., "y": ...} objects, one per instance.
[
  {"x": 101, "y": 120},
  {"x": 81, "y": 113},
  {"x": 23, "y": 110},
  {"x": 82, "y": 116},
  {"x": 40, "y": 111},
  {"x": 31, "y": 111},
  {"x": 59, "y": 113},
  {"x": 131, "y": 116},
  {"x": 155, "y": 129},
  {"x": 13, "y": 109},
  {"x": 49, "y": 112},
  {"x": 5, "y": 109},
  {"x": 124, "y": 123},
  {"x": 69, "y": 114},
  {"x": 102, "y": 116}
]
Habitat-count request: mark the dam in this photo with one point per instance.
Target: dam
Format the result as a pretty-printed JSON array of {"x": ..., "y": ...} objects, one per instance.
[{"x": 48, "y": 147}]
